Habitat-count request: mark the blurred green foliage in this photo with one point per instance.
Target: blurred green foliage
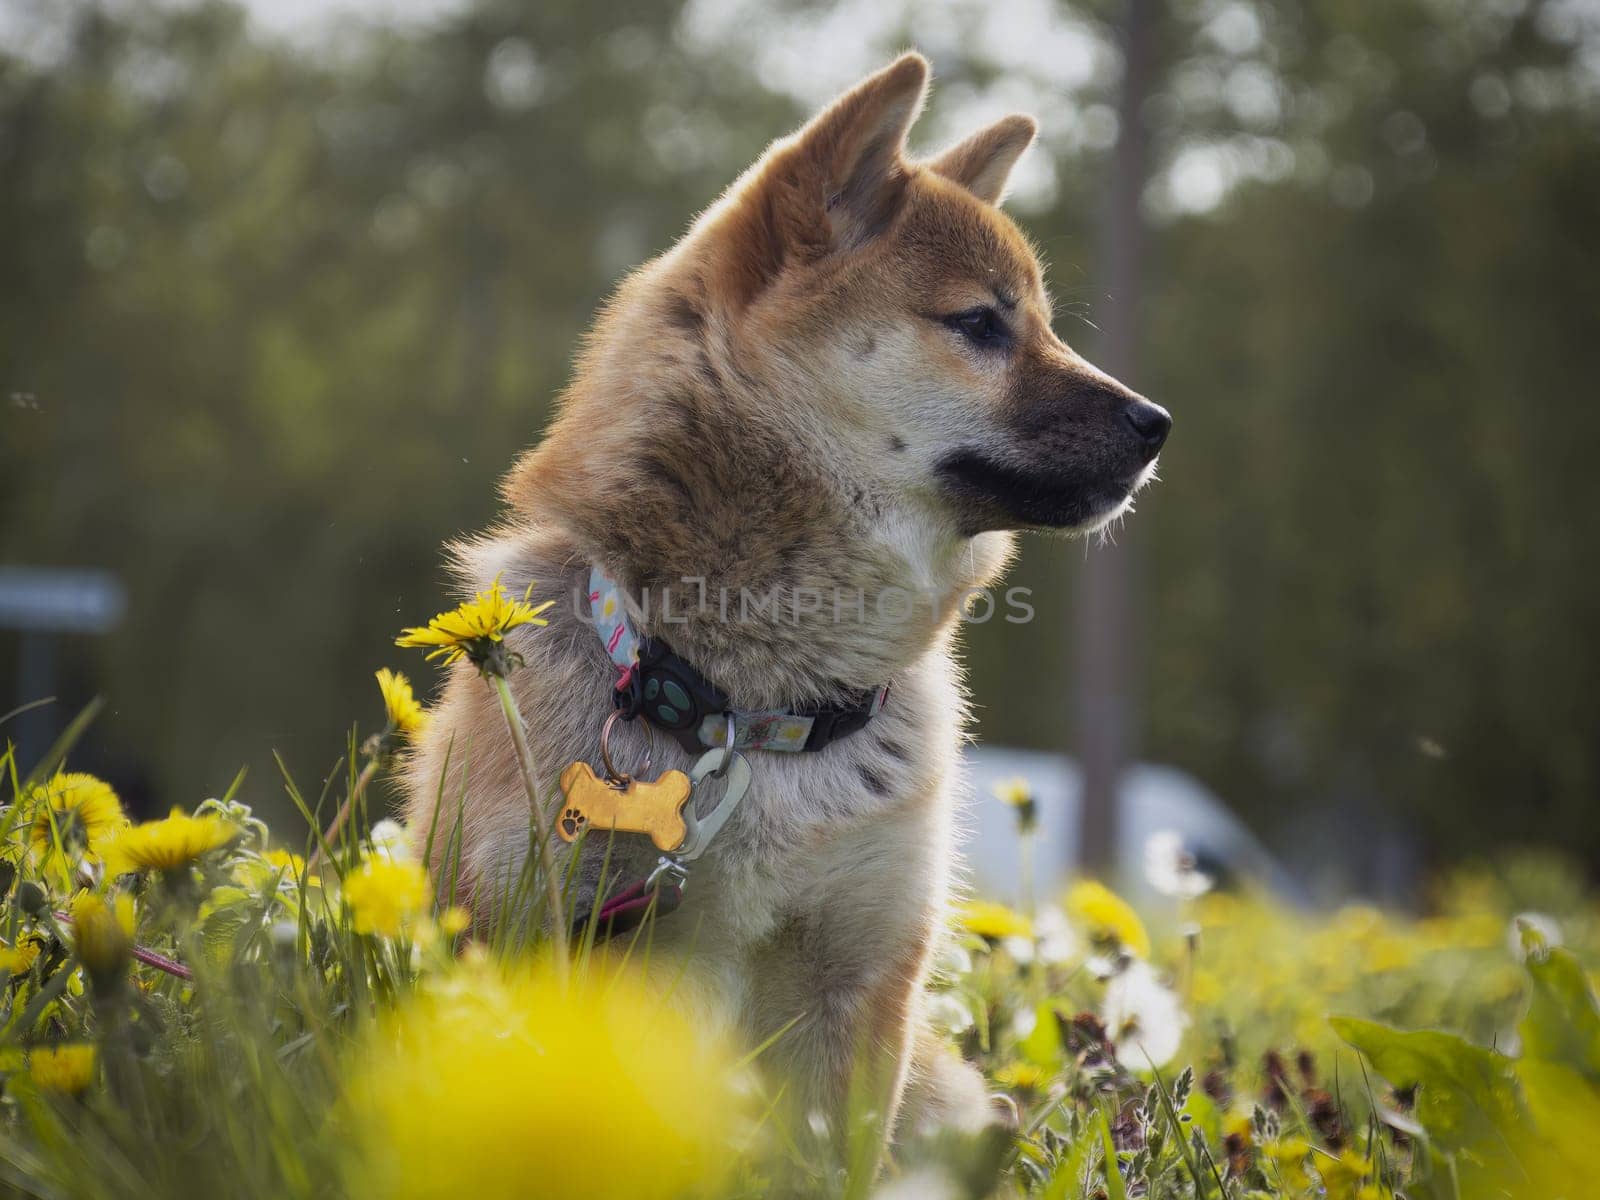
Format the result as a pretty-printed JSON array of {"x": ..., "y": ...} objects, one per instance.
[{"x": 274, "y": 318}]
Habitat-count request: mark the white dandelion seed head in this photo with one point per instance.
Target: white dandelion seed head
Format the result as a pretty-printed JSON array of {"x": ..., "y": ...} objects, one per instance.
[
  {"x": 1170, "y": 867},
  {"x": 389, "y": 841},
  {"x": 1024, "y": 1022},
  {"x": 952, "y": 961},
  {"x": 1019, "y": 948},
  {"x": 1143, "y": 1016},
  {"x": 948, "y": 1014},
  {"x": 1054, "y": 939}
]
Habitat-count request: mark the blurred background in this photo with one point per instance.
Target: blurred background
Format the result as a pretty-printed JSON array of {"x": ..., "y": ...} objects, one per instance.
[{"x": 284, "y": 287}]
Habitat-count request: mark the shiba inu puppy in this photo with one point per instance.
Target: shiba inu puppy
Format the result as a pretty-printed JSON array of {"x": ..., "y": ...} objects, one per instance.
[{"x": 841, "y": 385}]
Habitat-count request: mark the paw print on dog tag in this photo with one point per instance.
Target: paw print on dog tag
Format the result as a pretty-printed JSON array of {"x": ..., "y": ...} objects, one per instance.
[{"x": 654, "y": 807}]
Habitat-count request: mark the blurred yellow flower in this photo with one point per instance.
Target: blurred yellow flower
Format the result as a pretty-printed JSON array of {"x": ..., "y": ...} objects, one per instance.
[
  {"x": 1022, "y": 1077},
  {"x": 74, "y": 816},
  {"x": 404, "y": 711},
  {"x": 290, "y": 863},
  {"x": 1107, "y": 917},
  {"x": 276, "y": 866},
  {"x": 454, "y": 920},
  {"x": 994, "y": 921},
  {"x": 1288, "y": 1157},
  {"x": 1017, "y": 794},
  {"x": 384, "y": 894},
  {"x": 66, "y": 1069},
  {"x": 20, "y": 958},
  {"x": 1237, "y": 1124},
  {"x": 496, "y": 1087},
  {"x": 474, "y": 628},
  {"x": 1342, "y": 1176},
  {"x": 102, "y": 934},
  {"x": 1014, "y": 791},
  {"x": 172, "y": 842}
]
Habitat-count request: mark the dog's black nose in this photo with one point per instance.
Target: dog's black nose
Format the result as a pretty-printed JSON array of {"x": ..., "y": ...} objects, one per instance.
[{"x": 1151, "y": 422}]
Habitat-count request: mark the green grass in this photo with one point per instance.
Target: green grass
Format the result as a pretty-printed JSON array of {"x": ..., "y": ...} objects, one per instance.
[{"x": 1257, "y": 1051}]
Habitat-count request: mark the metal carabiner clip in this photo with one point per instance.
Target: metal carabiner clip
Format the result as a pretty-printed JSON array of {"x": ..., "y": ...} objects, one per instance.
[{"x": 717, "y": 763}]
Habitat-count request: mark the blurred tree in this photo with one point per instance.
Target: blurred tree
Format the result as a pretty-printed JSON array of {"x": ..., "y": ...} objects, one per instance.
[
  {"x": 1374, "y": 607},
  {"x": 282, "y": 319},
  {"x": 274, "y": 319},
  {"x": 1368, "y": 592}
]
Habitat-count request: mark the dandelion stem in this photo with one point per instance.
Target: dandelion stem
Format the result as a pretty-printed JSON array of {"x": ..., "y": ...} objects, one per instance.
[
  {"x": 1025, "y": 854},
  {"x": 552, "y": 882},
  {"x": 340, "y": 818}
]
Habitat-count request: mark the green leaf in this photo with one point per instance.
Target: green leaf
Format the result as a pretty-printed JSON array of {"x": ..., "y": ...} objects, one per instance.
[
  {"x": 1565, "y": 1106},
  {"x": 1042, "y": 1046},
  {"x": 1065, "y": 1183},
  {"x": 220, "y": 930},
  {"x": 1562, "y": 1024},
  {"x": 1114, "y": 1185},
  {"x": 1468, "y": 1096},
  {"x": 1202, "y": 1112}
]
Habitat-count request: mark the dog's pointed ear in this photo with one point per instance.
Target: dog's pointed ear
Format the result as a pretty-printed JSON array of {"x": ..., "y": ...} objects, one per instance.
[
  {"x": 838, "y": 181},
  {"x": 982, "y": 163}
]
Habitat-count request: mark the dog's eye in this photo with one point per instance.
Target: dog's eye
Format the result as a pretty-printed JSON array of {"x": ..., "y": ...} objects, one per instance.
[{"x": 981, "y": 326}]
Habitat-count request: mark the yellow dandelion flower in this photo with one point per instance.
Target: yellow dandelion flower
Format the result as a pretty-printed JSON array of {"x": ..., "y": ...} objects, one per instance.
[
  {"x": 1289, "y": 1156},
  {"x": 292, "y": 867},
  {"x": 102, "y": 934},
  {"x": 275, "y": 867},
  {"x": 405, "y": 712},
  {"x": 454, "y": 920},
  {"x": 19, "y": 959},
  {"x": 1022, "y": 1077},
  {"x": 1014, "y": 791},
  {"x": 384, "y": 894},
  {"x": 1017, "y": 793},
  {"x": 478, "y": 1087},
  {"x": 172, "y": 842},
  {"x": 1107, "y": 917},
  {"x": 74, "y": 816},
  {"x": 1238, "y": 1124},
  {"x": 287, "y": 861},
  {"x": 1343, "y": 1176},
  {"x": 994, "y": 921},
  {"x": 476, "y": 628},
  {"x": 65, "y": 1069}
]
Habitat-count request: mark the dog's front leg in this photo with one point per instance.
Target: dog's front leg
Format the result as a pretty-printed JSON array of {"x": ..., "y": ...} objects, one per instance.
[{"x": 844, "y": 1007}]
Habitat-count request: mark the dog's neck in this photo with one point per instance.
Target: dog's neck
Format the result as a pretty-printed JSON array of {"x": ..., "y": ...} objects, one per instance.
[
  {"x": 784, "y": 596},
  {"x": 782, "y": 629}
]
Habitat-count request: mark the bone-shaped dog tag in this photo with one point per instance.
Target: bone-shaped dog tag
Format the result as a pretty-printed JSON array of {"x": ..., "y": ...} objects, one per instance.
[{"x": 654, "y": 807}]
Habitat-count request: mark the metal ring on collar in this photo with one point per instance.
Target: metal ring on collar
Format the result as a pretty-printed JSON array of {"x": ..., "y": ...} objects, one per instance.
[{"x": 612, "y": 774}]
